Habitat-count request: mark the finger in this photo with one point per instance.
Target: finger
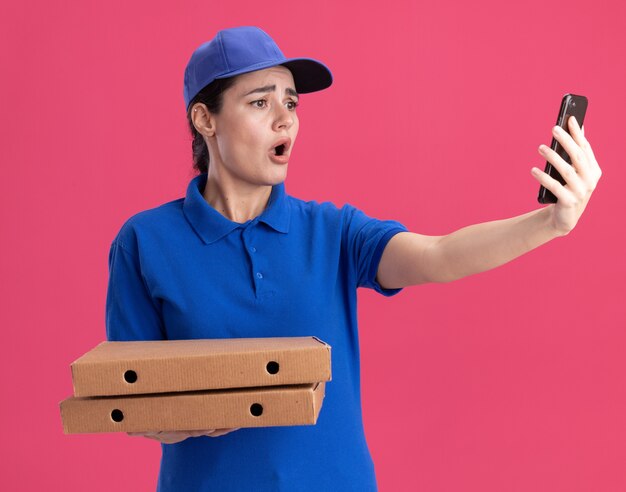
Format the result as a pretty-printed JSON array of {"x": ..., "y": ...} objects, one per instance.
[
  {"x": 172, "y": 437},
  {"x": 567, "y": 172},
  {"x": 195, "y": 433},
  {"x": 221, "y": 432},
  {"x": 578, "y": 135},
  {"x": 592, "y": 171},
  {"x": 576, "y": 155},
  {"x": 576, "y": 130},
  {"x": 167, "y": 437},
  {"x": 142, "y": 434},
  {"x": 595, "y": 167},
  {"x": 198, "y": 433},
  {"x": 163, "y": 437},
  {"x": 563, "y": 195}
]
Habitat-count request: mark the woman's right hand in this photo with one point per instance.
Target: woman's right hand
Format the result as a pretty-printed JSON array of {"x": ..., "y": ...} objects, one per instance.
[{"x": 172, "y": 437}]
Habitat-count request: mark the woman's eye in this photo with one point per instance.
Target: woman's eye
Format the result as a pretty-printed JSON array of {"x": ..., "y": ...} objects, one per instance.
[{"x": 260, "y": 103}]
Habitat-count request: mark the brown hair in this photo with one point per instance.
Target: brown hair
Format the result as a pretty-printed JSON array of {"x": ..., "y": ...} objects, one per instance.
[{"x": 212, "y": 97}]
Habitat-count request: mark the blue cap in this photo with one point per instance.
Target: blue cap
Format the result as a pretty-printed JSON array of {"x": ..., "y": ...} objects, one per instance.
[{"x": 244, "y": 49}]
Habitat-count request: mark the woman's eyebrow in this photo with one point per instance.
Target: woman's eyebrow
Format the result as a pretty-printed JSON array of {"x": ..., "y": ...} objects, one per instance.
[{"x": 272, "y": 88}]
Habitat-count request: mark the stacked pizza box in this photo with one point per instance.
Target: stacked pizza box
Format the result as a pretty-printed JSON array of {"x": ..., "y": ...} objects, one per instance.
[{"x": 169, "y": 385}]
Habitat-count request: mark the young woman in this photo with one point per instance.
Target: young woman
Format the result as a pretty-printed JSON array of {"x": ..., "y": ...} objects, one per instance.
[{"x": 238, "y": 257}]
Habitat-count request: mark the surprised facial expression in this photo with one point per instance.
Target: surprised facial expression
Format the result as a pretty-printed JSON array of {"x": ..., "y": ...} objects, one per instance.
[{"x": 256, "y": 128}]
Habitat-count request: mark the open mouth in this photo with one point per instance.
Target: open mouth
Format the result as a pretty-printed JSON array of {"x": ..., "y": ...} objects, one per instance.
[{"x": 281, "y": 147}]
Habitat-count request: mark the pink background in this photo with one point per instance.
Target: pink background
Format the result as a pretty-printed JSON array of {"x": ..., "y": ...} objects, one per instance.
[{"x": 511, "y": 380}]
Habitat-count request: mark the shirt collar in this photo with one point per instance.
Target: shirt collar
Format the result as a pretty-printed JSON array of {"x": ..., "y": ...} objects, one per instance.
[{"x": 211, "y": 225}]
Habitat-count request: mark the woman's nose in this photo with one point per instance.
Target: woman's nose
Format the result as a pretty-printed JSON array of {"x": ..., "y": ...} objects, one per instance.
[{"x": 284, "y": 117}]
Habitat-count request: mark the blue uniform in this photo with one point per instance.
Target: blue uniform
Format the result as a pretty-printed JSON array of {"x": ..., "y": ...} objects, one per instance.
[{"x": 182, "y": 271}]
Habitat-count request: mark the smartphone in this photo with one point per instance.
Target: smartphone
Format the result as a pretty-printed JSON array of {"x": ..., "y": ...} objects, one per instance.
[{"x": 571, "y": 105}]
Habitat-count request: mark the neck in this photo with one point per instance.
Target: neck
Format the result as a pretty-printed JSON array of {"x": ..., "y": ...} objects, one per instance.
[{"x": 238, "y": 202}]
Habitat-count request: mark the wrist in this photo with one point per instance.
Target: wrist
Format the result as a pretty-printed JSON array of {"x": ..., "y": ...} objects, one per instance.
[{"x": 552, "y": 226}]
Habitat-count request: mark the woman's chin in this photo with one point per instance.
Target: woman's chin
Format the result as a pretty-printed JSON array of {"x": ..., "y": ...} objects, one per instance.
[{"x": 278, "y": 175}]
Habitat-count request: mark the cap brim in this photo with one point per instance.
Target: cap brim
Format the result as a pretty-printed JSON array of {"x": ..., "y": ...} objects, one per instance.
[{"x": 309, "y": 75}]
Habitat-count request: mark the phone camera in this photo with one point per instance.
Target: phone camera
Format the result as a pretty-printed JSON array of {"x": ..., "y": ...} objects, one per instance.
[{"x": 573, "y": 104}]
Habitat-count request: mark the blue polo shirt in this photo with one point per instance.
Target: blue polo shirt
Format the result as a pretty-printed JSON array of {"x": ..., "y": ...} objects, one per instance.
[{"x": 183, "y": 271}]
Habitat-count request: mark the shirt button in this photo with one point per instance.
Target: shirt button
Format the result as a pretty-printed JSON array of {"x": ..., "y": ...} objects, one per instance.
[
  {"x": 259, "y": 275},
  {"x": 253, "y": 249}
]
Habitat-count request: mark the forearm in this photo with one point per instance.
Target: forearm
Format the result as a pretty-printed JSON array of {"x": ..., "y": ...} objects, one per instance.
[
  {"x": 413, "y": 259},
  {"x": 481, "y": 247}
]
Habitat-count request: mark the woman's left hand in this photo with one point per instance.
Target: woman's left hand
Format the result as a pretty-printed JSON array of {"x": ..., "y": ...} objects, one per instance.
[
  {"x": 172, "y": 437},
  {"x": 581, "y": 177}
]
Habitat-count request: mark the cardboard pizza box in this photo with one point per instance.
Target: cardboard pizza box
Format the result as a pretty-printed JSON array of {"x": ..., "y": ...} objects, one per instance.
[
  {"x": 196, "y": 410},
  {"x": 162, "y": 366}
]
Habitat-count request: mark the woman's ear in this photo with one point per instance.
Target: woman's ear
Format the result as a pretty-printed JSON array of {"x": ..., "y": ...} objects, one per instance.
[{"x": 203, "y": 120}]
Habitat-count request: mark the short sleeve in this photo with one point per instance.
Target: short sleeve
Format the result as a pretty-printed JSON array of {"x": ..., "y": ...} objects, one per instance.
[
  {"x": 366, "y": 238},
  {"x": 131, "y": 312}
]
